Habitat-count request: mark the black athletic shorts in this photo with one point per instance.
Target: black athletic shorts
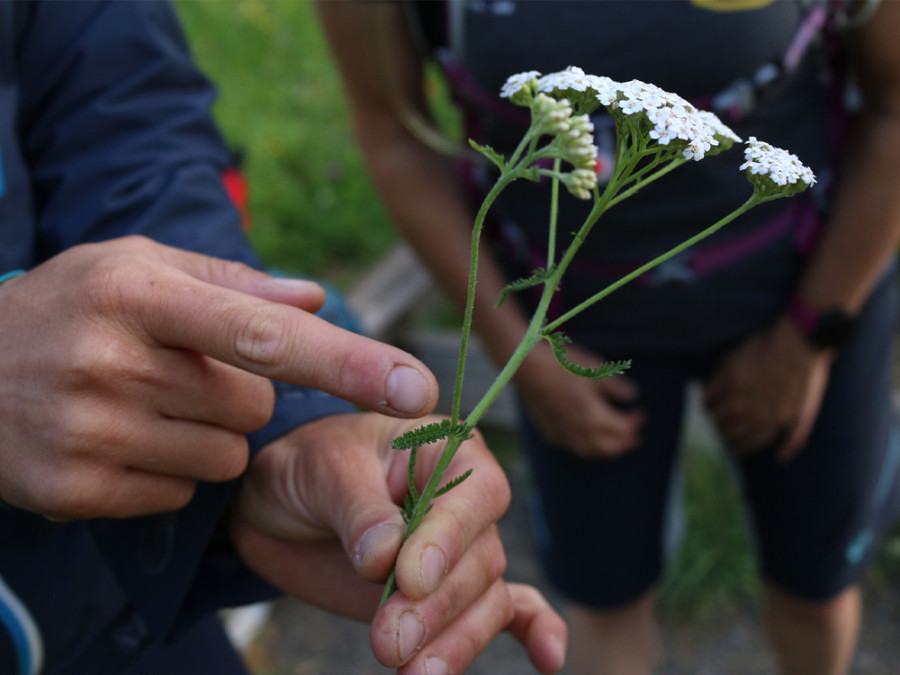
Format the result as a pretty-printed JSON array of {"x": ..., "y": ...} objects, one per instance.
[{"x": 817, "y": 520}]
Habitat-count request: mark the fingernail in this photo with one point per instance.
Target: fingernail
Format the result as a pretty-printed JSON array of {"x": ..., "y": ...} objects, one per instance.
[
  {"x": 410, "y": 635},
  {"x": 432, "y": 567},
  {"x": 405, "y": 390},
  {"x": 558, "y": 647},
  {"x": 372, "y": 539},
  {"x": 436, "y": 666},
  {"x": 294, "y": 284}
]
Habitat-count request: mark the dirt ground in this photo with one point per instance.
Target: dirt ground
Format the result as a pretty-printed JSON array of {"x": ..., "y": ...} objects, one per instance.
[{"x": 299, "y": 640}]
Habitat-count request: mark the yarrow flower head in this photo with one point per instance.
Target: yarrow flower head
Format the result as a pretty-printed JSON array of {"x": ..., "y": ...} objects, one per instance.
[
  {"x": 775, "y": 172},
  {"x": 671, "y": 119},
  {"x": 521, "y": 87},
  {"x": 576, "y": 85}
]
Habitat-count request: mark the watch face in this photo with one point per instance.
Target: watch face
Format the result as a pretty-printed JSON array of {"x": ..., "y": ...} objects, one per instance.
[{"x": 833, "y": 329}]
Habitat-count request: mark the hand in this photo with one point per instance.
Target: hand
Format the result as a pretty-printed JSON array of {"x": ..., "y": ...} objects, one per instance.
[
  {"x": 576, "y": 413},
  {"x": 132, "y": 370},
  {"x": 317, "y": 516},
  {"x": 769, "y": 390}
]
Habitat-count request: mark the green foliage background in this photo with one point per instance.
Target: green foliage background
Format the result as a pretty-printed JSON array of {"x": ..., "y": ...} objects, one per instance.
[{"x": 314, "y": 209}]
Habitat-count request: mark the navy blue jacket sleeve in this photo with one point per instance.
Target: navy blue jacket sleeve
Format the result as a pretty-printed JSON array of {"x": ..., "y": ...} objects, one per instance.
[{"x": 114, "y": 129}]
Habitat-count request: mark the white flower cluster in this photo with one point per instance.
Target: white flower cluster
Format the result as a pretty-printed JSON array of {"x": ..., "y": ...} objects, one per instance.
[
  {"x": 572, "y": 79},
  {"x": 518, "y": 82},
  {"x": 782, "y": 167},
  {"x": 666, "y": 118},
  {"x": 671, "y": 117}
]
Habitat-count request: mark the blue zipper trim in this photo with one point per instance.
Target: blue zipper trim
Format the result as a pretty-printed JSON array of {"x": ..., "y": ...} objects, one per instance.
[{"x": 22, "y": 630}]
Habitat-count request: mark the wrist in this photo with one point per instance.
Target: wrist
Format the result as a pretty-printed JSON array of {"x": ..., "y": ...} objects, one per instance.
[
  {"x": 821, "y": 329},
  {"x": 11, "y": 275}
]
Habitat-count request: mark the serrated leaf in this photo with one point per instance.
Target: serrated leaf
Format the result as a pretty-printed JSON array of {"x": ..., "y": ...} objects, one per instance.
[
  {"x": 430, "y": 433},
  {"x": 539, "y": 276},
  {"x": 452, "y": 483},
  {"x": 490, "y": 153},
  {"x": 558, "y": 342}
]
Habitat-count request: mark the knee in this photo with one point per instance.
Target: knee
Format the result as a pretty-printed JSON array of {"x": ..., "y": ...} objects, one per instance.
[{"x": 825, "y": 614}]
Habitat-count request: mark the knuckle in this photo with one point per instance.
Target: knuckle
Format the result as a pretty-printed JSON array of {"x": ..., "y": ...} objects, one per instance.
[
  {"x": 260, "y": 338},
  {"x": 220, "y": 268},
  {"x": 111, "y": 286},
  {"x": 260, "y": 406},
  {"x": 231, "y": 460}
]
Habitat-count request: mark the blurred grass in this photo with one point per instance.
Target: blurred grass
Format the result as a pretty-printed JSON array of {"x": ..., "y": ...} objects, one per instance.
[
  {"x": 713, "y": 571},
  {"x": 314, "y": 209}
]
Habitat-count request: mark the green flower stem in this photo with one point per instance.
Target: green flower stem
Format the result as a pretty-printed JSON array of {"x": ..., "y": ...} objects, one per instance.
[
  {"x": 554, "y": 209},
  {"x": 625, "y": 182},
  {"x": 423, "y": 503},
  {"x": 670, "y": 166},
  {"x": 750, "y": 203},
  {"x": 469, "y": 312},
  {"x": 506, "y": 177}
]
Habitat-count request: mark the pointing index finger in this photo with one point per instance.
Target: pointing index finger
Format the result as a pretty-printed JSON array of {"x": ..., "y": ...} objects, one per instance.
[{"x": 285, "y": 343}]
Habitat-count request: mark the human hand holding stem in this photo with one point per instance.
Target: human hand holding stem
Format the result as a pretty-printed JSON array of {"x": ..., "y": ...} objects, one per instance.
[{"x": 656, "y": 132}]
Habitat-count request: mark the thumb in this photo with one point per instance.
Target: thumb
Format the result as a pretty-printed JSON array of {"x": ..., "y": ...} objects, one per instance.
[{"x": 323, "y": 481}]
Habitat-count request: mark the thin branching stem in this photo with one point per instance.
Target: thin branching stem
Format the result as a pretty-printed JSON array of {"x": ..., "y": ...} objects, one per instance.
[{"x": 553, "y": 325}]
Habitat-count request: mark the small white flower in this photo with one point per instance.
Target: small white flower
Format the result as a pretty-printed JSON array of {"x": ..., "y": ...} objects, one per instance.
[
  {"x": 573, "y": 83},
  {"x": 780, "y": 166},
  {"x": 519, "y": 88},
  {"x": 515, "y": 83},
  {"x": 571, "y": 78},
  {"x": 719, "y": 127},
  {"x": 672, "y": 118}
]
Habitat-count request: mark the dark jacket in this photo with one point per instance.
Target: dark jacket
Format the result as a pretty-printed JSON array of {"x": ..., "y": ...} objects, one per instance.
[{"x": 105, "y": 130}]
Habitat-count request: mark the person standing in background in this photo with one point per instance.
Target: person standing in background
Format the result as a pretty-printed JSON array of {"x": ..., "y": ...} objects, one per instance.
[{"x": 786, "y": 316}]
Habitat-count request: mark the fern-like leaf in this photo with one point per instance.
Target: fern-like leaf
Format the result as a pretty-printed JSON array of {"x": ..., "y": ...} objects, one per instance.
[
  {"x": 558, "y": 342},
  {"x": 430, "y": 433},
  {"x": 539, "y": 276},
  {"x": 452, "y": 483},
  {"x": 490, "y": 153}
]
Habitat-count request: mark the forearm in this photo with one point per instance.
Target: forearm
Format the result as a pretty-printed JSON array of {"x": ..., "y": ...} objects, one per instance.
[
  {"x": 863, "y": 232},
  {"x": 864, "y": 229}
]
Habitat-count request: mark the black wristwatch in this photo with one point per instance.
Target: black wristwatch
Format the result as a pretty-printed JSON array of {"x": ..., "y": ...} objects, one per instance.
[{"x": 826, "y": 329}]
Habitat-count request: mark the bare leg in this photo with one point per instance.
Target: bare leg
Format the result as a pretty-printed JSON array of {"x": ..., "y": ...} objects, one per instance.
[
  {"x": 621, "y": 641},
  {"x": 814, "y": 638}
]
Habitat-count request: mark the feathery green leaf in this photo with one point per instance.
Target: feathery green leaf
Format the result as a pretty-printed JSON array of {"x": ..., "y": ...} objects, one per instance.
[
  {"x": 539, "y": 276},
  {"x": 558, "y": 342},
  {"x": 430, "y": 433},
  {"x": 490, "y": 153},
  {"x": 452, "y": 483}
]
